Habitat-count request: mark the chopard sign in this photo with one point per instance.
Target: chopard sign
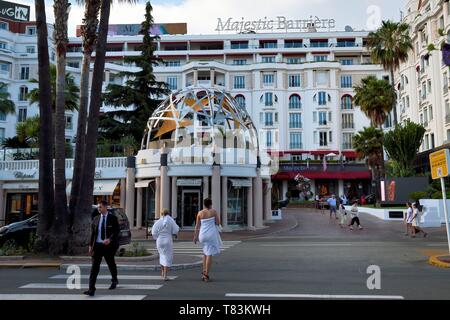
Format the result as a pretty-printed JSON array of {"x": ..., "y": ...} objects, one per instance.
[
  {"x": 21, "y": 175},
  {"x": 280, "y": 23}
]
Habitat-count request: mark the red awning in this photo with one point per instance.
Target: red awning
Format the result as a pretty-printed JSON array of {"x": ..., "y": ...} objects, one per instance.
[
  {"x": 325, "y": 175},
  {"x": 323, "y": 152},
  {"x": 350, "y": 154}
]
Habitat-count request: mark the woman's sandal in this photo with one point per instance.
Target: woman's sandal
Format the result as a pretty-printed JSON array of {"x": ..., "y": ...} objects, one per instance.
[{"x": 205, "y": 277}]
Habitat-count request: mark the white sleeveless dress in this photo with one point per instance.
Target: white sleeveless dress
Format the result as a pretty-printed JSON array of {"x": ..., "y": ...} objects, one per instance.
[{"x": 209, "y": 237}]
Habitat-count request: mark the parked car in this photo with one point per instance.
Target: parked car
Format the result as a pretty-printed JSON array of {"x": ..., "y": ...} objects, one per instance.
[{"x": 21, "y": 231}]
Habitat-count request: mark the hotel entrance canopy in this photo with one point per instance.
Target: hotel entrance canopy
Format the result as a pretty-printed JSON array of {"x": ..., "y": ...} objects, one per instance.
[{"x": 101, "y": 187}]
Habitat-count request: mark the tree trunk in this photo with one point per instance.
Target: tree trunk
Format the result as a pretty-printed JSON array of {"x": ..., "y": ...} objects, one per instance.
[
  {"x": 84, "y": 204},
  {"x": 60, "y": 231},
  {"x": 89, "y": 34},
  {"x": 395, "y": 105},
  {"x": 46, "y": 191}
]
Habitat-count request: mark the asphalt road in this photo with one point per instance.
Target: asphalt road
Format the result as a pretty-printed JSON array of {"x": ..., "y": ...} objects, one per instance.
[{"x": 317, "y": 260}]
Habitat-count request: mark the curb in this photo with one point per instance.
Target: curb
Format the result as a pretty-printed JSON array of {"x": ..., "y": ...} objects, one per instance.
[
  {"x": 117, "y": 258},
  {"x": 30, "y": 265},
  {"x": 434, "y": 261}
]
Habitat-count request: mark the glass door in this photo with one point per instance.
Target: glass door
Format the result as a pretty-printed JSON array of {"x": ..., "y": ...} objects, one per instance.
[{"x": 190, "y": 207}]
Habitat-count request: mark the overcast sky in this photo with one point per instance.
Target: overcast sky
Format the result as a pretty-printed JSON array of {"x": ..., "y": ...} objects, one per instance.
[{"x": 201, "y": 15}]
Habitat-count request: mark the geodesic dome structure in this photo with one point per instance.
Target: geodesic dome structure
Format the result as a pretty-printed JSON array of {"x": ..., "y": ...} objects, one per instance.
[{"x": 198, "y": 114}]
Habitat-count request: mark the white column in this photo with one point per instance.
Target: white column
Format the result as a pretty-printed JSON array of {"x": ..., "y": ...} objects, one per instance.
[
  {"x": 130, "y": 194},
  {"x": 250, "y": 225},
  {"x": 139, "y": 208},
  {"x": 195, "y": 77},
  {"x": 157, "y": 197},
  {"x": 268, "y": 202},
  {"x": 174, "y": 207},
  {"x": 225, "y": 203},
  {"x": 340, "y": 188},
  {"x": 205, "y": 187},
  {"x": 123, "y": 187},
  {"x": 215, "y": 188},
  {"x": 212, "y": 74},
  {"x": 258, "y": 200},
  {"x": 2, "y": 205}
]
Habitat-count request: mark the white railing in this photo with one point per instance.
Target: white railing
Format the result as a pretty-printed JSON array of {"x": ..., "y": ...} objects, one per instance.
[{"x": 34, "y": 164}]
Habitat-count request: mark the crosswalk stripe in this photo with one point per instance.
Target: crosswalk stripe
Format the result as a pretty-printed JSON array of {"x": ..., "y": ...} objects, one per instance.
[
  {"x": 85, "y": 286},
  {"x": 27, "y": 296},
  {"x": 121, "y": 277}
]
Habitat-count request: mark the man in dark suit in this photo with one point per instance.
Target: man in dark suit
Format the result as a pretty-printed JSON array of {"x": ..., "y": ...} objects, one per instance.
[{"x": 103, "y": 243}]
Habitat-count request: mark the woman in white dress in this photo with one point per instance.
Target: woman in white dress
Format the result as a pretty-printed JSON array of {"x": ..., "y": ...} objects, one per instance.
[
  {"x": 163, "y": 231},
  {"x": 207, "y": 233},
  {"x": 416, "y": 222}
]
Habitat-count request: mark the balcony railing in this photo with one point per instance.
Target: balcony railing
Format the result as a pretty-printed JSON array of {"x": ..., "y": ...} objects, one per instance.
[
  {"x": 347, "y": 146},
  {"x": 103, "y": 163},
  {"x": 296, "y": 146},
  {"x": 295, "y": 125},
  {"x": 348, "y": 125}
]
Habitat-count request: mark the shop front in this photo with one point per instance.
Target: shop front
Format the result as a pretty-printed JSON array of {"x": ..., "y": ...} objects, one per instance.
[{"x": 21, "y": 201}]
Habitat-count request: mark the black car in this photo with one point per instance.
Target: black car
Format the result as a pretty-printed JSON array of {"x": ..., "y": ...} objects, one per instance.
[{"x": 22, "y": 231}]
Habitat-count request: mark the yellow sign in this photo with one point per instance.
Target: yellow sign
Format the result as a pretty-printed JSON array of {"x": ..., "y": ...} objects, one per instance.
[{"x": 439, "y": 162}]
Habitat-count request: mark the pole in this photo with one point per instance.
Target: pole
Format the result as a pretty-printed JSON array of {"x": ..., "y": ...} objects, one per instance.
[{"x": 444, "y": 197}]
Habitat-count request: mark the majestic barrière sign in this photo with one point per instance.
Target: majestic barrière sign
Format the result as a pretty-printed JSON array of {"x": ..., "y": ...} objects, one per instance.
[
  {"x": 14, "y": 11},
  {"x": 281, "y": 23}
]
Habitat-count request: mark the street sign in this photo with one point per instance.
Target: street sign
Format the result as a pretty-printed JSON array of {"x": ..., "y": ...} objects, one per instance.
[{"x": 440, "y": 163}]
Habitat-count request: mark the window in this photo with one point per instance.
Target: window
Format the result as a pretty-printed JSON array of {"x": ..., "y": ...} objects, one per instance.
[
  {"x": 31, "y": 49},
  {"x": 295, "y": 102},
  {"x": 241, "y": 100},
  {"x": 322, "y": 98},
  {"x": 270, "y": 59},
  {"x": 295, "y": 120},
  {"x": 239, "y": 62},
  {"x": 319, "y": 43},
  {"x": 239, "y": 45},
  {"x": 347, "y": 121},
  {"x": 293, "y": 43},
  {"x": 346, "y": 82},
  {"x": 3, "y": 25},
  {"x": 347, "y": 141},
  {"x": 173, "y": 63},
  {"x": 294, "y": 80},
  {"x": 320, "y": 58},
  {"x": 172, "y": 83},
  {"x": 239, "y": 82},
  {"x": 322, "y": 118},
  {"x": 268, "y": 119},
  {"x": 23, "y": 92},
  {"x": 346, "y": 62},
  {"x": 268, "y": 79},
  {"x": 430, "y": 110},
  {"x": 268, "y": 45},
  {"x": 69, "y": 123},
  {"x": 323, "y": 139},
  {"x": 268, "y": 99},
  {"x": 293, "y": 60},
  {"x": 269, "y": 141},
  {"x": 432, "y": 141},
  {"x": 2, "y": 135},
  {"x": 3, "y": 45},
  {"x": 346, "y": 102},
  {"x": 75, "y": 65},
  {"x": 22, "y": 116},
  {"x": 295, "y": 140},
  {"x": 4, "y": 67},
  {"x": 24, "y": 72},
  {"x": 388, "y": 122},
  {"x": 31, "y": 31},
  {"x": 2, "y": 116}
]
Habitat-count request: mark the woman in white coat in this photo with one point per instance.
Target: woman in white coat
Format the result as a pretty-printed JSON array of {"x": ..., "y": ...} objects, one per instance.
[{"x": 163, "y": 231}]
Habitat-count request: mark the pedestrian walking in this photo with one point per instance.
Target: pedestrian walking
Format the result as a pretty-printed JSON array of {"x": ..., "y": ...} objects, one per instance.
[
  {"x": 103, "y": 243},
  {"x": 342, "y": 215},
  {"x": 317, "y": 201},
  {"x": 332, "y": 203},
  {"x": 207, "y": 233},
  {"x": 354, "y": 214},
  {"x": 407, "y": 218},
  {"x": 415, "y": 222},
  {"x": 163, "y": 231}
]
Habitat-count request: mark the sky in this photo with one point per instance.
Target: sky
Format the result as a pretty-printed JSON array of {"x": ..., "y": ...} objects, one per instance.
[{"x": 201, "y": 15}]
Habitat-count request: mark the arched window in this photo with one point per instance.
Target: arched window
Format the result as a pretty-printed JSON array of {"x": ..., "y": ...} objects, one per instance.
[
  {"x": 241, "y": 100},
  {"x": 347, "y": 102},
  {"x": 268, "y": 98},
  {"x": 322, "y": 98},
  {"x": 295, "y": 102}
]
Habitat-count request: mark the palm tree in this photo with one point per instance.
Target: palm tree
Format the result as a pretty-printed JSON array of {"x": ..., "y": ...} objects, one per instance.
[
  {"x": 6, "y": 104},
  {"x": 402, "y": 145},
  {"x": 389, "y": 46},
  {"x": 46, "y": 191},
  {"x": 27, "y": 131},
  {"x": 89, "y": 35},
  {"x": 368, "y": 143},
  {"x": 376, "y": 98},
  {"x": 71, "y": 91}
]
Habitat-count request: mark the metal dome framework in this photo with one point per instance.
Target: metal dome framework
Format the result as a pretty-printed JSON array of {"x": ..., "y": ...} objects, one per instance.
[{"x": 200, "y": 110}]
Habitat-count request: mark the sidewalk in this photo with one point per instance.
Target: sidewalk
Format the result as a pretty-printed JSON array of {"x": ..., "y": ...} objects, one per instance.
[{"x": 287, "y": 223}]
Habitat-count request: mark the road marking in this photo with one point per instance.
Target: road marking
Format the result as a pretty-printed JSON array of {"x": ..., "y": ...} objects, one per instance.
[
  {"x": 121, "y": 277},
  {"x": 308, "y": 245},
  {"x": 68, "y": 297},
  {"x": 85, "y": 286},
  {"x": 312, "y": 296}
]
